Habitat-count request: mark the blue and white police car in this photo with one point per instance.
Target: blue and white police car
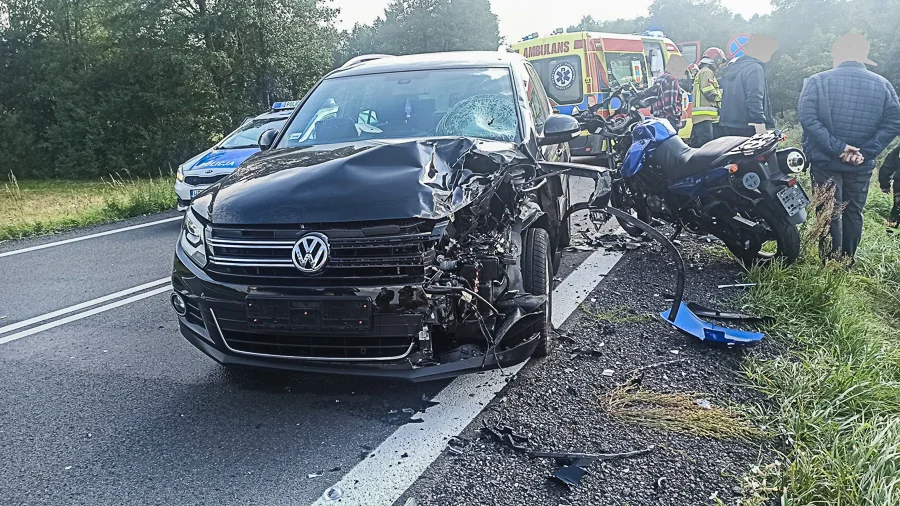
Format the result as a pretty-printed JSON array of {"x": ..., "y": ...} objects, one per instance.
[{"x": 207, "y": 168}]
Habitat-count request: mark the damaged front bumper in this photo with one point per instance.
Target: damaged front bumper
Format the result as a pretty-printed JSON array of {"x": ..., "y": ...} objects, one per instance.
[{"x": 210, "y": 317}]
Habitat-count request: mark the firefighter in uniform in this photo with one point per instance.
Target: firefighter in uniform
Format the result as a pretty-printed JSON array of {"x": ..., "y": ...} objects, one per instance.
[{"x": 707, "y": 97}]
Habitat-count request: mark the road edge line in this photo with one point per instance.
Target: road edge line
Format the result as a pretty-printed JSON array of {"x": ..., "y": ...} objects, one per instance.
[
  {"x": 83, "y": 305},
  {"x": 386, "y": 474},
  {"x": 86, "y": 237},
  {"x": 79, "y": 316}
]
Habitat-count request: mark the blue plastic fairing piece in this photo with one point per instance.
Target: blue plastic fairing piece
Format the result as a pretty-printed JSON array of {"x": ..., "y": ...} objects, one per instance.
[{"x": 689, "y": 323}]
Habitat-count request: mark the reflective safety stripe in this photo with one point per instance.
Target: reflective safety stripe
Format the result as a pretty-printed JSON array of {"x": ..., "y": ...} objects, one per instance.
[
  {"x": 706, "y": 110},
  {"x": 708, "y": 89}
]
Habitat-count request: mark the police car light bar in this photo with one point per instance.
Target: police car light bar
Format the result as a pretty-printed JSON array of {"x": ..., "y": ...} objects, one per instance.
[{"x": 290, "y": 104}]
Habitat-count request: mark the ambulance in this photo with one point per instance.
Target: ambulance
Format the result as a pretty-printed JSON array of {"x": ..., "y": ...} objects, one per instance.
[{"x": 579, "y": 69}]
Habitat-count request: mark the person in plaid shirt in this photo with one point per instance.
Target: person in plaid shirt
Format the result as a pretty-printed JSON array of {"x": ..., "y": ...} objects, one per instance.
[{"x": 668, "y": 104}]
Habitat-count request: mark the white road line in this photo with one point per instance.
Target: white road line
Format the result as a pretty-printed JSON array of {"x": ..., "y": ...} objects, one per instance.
[
  {"x": 79, "y": 316},
  {"x": 86, "y": 237},
  {"x": 383, "y": 477},
  {"x": 77, "y": 307}
]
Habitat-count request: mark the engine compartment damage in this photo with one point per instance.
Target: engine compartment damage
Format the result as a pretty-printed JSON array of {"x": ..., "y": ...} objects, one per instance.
[{"x": 475, "y": 309}]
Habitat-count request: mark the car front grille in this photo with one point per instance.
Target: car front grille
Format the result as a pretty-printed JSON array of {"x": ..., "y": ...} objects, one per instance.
[
  {"x": 390, "y": 338},
  {"x": 203, "y": 180},
  {"x": 379, "y": 254}
]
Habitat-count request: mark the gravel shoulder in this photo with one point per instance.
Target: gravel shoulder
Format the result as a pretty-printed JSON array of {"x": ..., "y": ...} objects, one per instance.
[{"x": 561, "y": 403}]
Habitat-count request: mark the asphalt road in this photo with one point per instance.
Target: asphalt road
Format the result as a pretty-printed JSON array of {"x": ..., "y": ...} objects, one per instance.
[{"x": 114, "y": 407}]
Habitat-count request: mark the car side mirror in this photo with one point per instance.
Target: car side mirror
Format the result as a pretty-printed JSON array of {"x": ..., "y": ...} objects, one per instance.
[
  {"x": 267, "y": 138},
  {"x": 559, "y": 128}
]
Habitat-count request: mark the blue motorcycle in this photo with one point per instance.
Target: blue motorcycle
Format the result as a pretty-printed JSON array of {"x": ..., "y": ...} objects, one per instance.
[{"x": 742, "y": 190}]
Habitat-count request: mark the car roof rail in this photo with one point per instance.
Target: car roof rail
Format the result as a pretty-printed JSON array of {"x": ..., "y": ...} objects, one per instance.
[{"x": 363, "y": 58}]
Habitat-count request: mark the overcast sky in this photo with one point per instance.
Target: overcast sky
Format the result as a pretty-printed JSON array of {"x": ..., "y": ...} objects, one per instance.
[{"x": 521, "y": 17}]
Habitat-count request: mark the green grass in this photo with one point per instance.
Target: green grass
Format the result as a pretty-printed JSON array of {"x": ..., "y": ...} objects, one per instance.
[
  {"x": 30, "y": 208},
  {"x": 677, "y": 412},
  {"x": 836, "y": 389}
]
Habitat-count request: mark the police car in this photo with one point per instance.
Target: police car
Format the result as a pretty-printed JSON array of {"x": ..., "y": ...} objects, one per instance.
[{"x": 207, "y": 168}]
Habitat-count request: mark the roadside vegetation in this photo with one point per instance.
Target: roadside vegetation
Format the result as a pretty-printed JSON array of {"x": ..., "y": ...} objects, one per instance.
[
  {"x": 39, "y": 207},
  {"x": 835, "y": 390}
]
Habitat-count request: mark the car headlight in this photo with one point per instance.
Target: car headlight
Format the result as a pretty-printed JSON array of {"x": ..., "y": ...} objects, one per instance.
[
  {"x": 192, "y": 238},
  {"x": 179, "y": 175}
]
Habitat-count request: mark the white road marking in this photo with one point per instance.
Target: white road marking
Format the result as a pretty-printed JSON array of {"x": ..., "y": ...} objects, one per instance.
[
  {"x": 86, "y": 237},
  {"x": 79, "y": 316},
  {"x": 77, "y": 307},
  {"x": 383, "y": 477}
]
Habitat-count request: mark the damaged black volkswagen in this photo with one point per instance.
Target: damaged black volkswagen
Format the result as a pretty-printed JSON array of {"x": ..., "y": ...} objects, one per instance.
[{"x": 406, "y": 222}]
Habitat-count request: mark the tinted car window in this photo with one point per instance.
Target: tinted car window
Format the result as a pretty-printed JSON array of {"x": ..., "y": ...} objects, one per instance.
[
  {"x": 537, "y": 97},
  {"x": 247, "y": 136},
  {"x": 562, "y": 78},
  {"x": 422, "y": 103},
  {"x": 624, "y": 68}
]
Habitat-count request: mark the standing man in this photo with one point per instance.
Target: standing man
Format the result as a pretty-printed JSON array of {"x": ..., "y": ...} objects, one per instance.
[
  {"x": 668, "y": 104},
  {"x": 890, "y": 169},
  {"x": 746, "y": 108},
  {"x": 849, "y": 115},
  {"x": 707, "y": 96}
]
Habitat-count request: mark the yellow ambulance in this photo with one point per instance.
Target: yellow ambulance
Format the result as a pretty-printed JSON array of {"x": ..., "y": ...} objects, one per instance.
[{"x": 579, "y": 69}]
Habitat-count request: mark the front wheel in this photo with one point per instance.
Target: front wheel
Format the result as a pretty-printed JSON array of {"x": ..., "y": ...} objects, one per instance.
[
  {"x": 781, "y": 241},
  {"x": 629, "y": 204},
  {"x": 536, "y": 278}
]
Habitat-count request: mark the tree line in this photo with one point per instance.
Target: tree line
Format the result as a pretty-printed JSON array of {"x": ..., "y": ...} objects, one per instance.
[
  {"x": 89, "y": 87},
  {"x": 805, "y": 30}
]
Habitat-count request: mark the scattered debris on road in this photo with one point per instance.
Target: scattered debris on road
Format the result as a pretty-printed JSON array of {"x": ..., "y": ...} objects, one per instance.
[
  {"x": 738, "y": 285},
  {"x": 575, "y": 465}
]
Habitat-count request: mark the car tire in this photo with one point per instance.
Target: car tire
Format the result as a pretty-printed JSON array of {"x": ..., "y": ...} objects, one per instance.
[{"x": 537, "y": 280}]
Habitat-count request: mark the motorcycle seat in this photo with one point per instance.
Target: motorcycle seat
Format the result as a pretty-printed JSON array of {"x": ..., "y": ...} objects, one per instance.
[{"x": 678, "y": 160}]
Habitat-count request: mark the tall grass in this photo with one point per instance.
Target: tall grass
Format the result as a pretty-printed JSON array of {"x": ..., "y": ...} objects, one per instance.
[
  {"x": 836, "y": 390},
  {"x": 30, "y": 208}
]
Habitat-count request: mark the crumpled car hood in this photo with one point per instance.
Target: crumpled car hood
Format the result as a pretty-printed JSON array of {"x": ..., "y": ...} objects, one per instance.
[{"x": 362, "y": 181}]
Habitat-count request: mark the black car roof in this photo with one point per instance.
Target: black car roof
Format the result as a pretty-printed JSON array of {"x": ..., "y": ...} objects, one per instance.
[{"x": 430, "y": 61}]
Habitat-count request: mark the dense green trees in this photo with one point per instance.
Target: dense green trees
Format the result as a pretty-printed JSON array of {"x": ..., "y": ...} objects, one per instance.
[
  {"x": 89, "y": 87},
  {"x": 425, "y": 26},
  {"x": 805, "y": 30}
]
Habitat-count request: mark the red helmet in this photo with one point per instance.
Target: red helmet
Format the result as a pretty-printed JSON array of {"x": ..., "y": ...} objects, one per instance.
[
  {"x": 714, "y": 56},
  {"x": 693, "y": 69}
]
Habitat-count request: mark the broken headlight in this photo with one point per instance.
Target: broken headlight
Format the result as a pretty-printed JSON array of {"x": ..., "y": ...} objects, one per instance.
[{"x": 192, "y": 242}]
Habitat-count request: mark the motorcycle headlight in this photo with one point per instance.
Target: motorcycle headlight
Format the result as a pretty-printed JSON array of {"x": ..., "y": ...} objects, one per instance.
[
  {"x": 179, "y": 175},
  {"x": 192, "y": 238}
]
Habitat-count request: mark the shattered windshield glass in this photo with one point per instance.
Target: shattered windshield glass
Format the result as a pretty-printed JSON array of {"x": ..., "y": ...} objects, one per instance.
[{"x": 424, "y": 103}]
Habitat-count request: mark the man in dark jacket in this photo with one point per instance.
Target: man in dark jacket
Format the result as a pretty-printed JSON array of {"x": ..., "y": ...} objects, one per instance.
[
  {"x": 746, "y": 109},
  {"x": 890, "y": 169},
  {"x": 849, "y": 116}
]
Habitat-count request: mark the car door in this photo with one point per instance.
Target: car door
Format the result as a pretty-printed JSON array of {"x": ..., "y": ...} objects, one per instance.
[{"x": 539, "y": 105}]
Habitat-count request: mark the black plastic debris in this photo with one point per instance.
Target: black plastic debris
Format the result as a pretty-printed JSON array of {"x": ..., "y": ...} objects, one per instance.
[
  {"x": 575, "y": 465},
  {"x": 582, "y": 352},
  {"x": 570, "y": 475},
  {"x": 565, "y": 338},
  {"x": 715, "y": 314},
  {"x": 507, "y": 437}
]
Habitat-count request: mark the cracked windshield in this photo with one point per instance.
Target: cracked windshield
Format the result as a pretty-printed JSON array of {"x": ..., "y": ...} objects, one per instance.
[{"x": 436, "y": 103}]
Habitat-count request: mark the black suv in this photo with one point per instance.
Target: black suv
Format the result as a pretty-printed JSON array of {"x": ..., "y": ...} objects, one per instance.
[{"x": 405, "y": 222}]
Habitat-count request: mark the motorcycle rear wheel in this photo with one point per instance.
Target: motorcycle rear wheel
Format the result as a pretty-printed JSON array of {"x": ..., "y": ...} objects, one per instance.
[{"x": 784, "y": 235}]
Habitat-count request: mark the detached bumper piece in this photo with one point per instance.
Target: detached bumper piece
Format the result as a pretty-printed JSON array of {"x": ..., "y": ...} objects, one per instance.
[{"x": 689, "y": 323}]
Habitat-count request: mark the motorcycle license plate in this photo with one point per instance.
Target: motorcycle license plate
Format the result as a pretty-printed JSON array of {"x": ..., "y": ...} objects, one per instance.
[{"x": 793, "y": 199}]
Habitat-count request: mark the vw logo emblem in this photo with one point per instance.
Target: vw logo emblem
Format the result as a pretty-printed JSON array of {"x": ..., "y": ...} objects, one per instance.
[{"x": 310, "y": 253}]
